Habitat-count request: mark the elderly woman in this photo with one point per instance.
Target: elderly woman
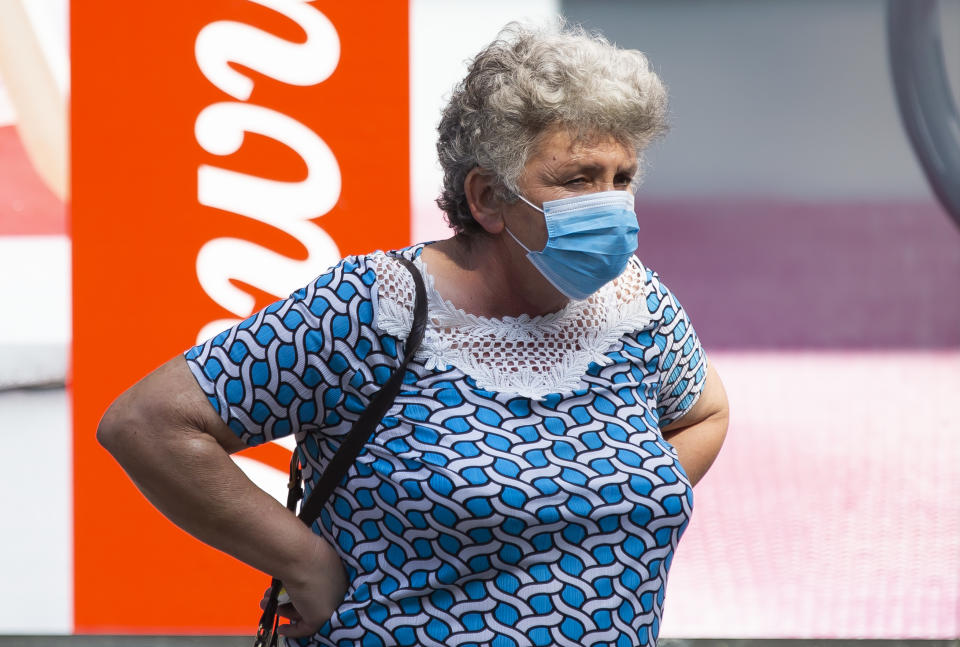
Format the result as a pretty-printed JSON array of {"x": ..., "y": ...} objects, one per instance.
[{"x": 530, "y": 483}]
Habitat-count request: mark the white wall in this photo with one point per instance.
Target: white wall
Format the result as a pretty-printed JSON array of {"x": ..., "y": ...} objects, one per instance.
[
  {"x": 36, "y": 560},
  {"x": 443, "y": 36}
]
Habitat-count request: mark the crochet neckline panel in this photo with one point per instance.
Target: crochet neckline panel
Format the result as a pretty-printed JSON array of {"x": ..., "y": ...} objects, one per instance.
[{"x": 527, "y": 356}]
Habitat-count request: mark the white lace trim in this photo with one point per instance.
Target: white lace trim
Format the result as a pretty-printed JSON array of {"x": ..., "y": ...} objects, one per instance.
[{"x": 528, "y": 356}]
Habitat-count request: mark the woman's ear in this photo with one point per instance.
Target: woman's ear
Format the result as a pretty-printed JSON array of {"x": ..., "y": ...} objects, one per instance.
[{"x": 480, "y": 189}]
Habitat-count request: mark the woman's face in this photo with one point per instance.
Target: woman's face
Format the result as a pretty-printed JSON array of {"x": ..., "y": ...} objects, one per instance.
[{"x": 562, "y": 168}]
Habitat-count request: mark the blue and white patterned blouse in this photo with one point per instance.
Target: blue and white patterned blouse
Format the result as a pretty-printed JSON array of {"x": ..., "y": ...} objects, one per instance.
[{"x": 518, "y": 492}]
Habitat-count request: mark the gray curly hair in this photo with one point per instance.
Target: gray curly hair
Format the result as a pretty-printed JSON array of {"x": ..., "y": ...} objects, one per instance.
[{"x": 529, "y": 80}]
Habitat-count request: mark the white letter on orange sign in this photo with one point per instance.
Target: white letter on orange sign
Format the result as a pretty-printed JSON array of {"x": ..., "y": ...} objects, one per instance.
[
  {"x": 288, "y": 206},
  {"x": 225, "y": 41}
]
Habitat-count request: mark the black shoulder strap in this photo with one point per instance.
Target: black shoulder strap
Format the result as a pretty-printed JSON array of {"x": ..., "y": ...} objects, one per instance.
[
  {"x": 347, "y": 453},
  {"x": 367, "y": 423}
]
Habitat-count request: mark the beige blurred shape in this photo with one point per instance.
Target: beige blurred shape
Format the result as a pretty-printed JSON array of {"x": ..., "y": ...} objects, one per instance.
[{"x": 40, "y": 105}]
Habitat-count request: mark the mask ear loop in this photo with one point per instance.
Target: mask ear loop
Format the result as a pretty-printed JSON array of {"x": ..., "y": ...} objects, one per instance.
[
  {"x": 525, "y": 248},
  {"x": 530, "y": 203}
]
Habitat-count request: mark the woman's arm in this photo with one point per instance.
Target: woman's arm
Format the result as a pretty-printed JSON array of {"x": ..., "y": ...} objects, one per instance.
[
  {"x": 175, "y": 448},
  {"x": 699, "y": 433}
]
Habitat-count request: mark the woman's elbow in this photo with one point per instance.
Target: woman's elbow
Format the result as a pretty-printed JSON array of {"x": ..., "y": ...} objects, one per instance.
[
  {"x": 117, "y": 425},
  {"x": 138, "y": 419},
  {"x": 140, "y": 414}
]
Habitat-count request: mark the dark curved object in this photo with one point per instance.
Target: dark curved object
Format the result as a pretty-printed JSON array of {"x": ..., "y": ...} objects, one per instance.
[{"x": 927, "y": 108}]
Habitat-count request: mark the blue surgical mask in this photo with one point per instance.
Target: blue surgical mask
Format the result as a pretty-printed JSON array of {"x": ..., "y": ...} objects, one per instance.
[{"x": 590, "y": 239}]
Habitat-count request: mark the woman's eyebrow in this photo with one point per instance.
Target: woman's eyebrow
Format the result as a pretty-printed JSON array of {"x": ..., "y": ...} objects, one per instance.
[{"x": 589, "y": 168}]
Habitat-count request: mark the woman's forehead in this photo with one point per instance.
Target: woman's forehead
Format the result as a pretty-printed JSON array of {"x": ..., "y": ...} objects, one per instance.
[{"x": 563, "y": 147}]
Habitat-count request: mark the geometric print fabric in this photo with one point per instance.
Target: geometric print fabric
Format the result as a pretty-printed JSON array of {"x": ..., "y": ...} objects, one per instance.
[{"x": 472, "y": 517}]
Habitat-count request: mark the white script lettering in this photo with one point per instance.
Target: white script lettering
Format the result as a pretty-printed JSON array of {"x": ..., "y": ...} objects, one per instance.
[
  {"x": 289, "y": 206},
  {"x": 224, "y": 42}
]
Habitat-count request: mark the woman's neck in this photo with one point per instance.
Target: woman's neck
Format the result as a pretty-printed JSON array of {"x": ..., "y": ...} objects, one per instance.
[{"x": 490, "y": 276}]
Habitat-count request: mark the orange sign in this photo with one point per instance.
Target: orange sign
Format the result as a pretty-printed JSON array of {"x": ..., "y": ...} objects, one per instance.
[{"x": 224, "y": 153}]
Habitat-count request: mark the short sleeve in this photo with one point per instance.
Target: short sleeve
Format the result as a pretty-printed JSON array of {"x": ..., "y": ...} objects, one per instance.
[
  {"x": 682, "y": 364},
  {"x": 268, "y": 375}
]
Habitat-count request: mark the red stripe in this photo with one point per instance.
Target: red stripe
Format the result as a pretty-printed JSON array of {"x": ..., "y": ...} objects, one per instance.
[{"x": 27, "y": 206}]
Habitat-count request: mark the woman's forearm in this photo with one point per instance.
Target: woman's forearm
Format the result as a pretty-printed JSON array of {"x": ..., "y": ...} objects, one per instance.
[
  {"x": 699, "y": 434},
  {"x": 190, "y": 479},
  {"x": 698, "y": 445},
  {"x": 187, "y": 474}
]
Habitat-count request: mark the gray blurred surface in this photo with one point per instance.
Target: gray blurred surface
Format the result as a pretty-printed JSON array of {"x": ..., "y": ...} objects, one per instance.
[
  {"x": 36, "y": 562},
  {"x": 927, "y": 107},
  {"x": 789, "y": 99}
]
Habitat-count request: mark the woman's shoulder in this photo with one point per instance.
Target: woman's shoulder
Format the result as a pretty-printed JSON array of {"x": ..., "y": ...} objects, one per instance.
[
  {"x": 621, "y": 303},
  {"x": 659, "y": 300},
  {"x": 391, "y": 279},
  {"x": 392, "y": 288},
  {"x": 359, "y": 274},
  {"x": 639, "y": 302}
]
